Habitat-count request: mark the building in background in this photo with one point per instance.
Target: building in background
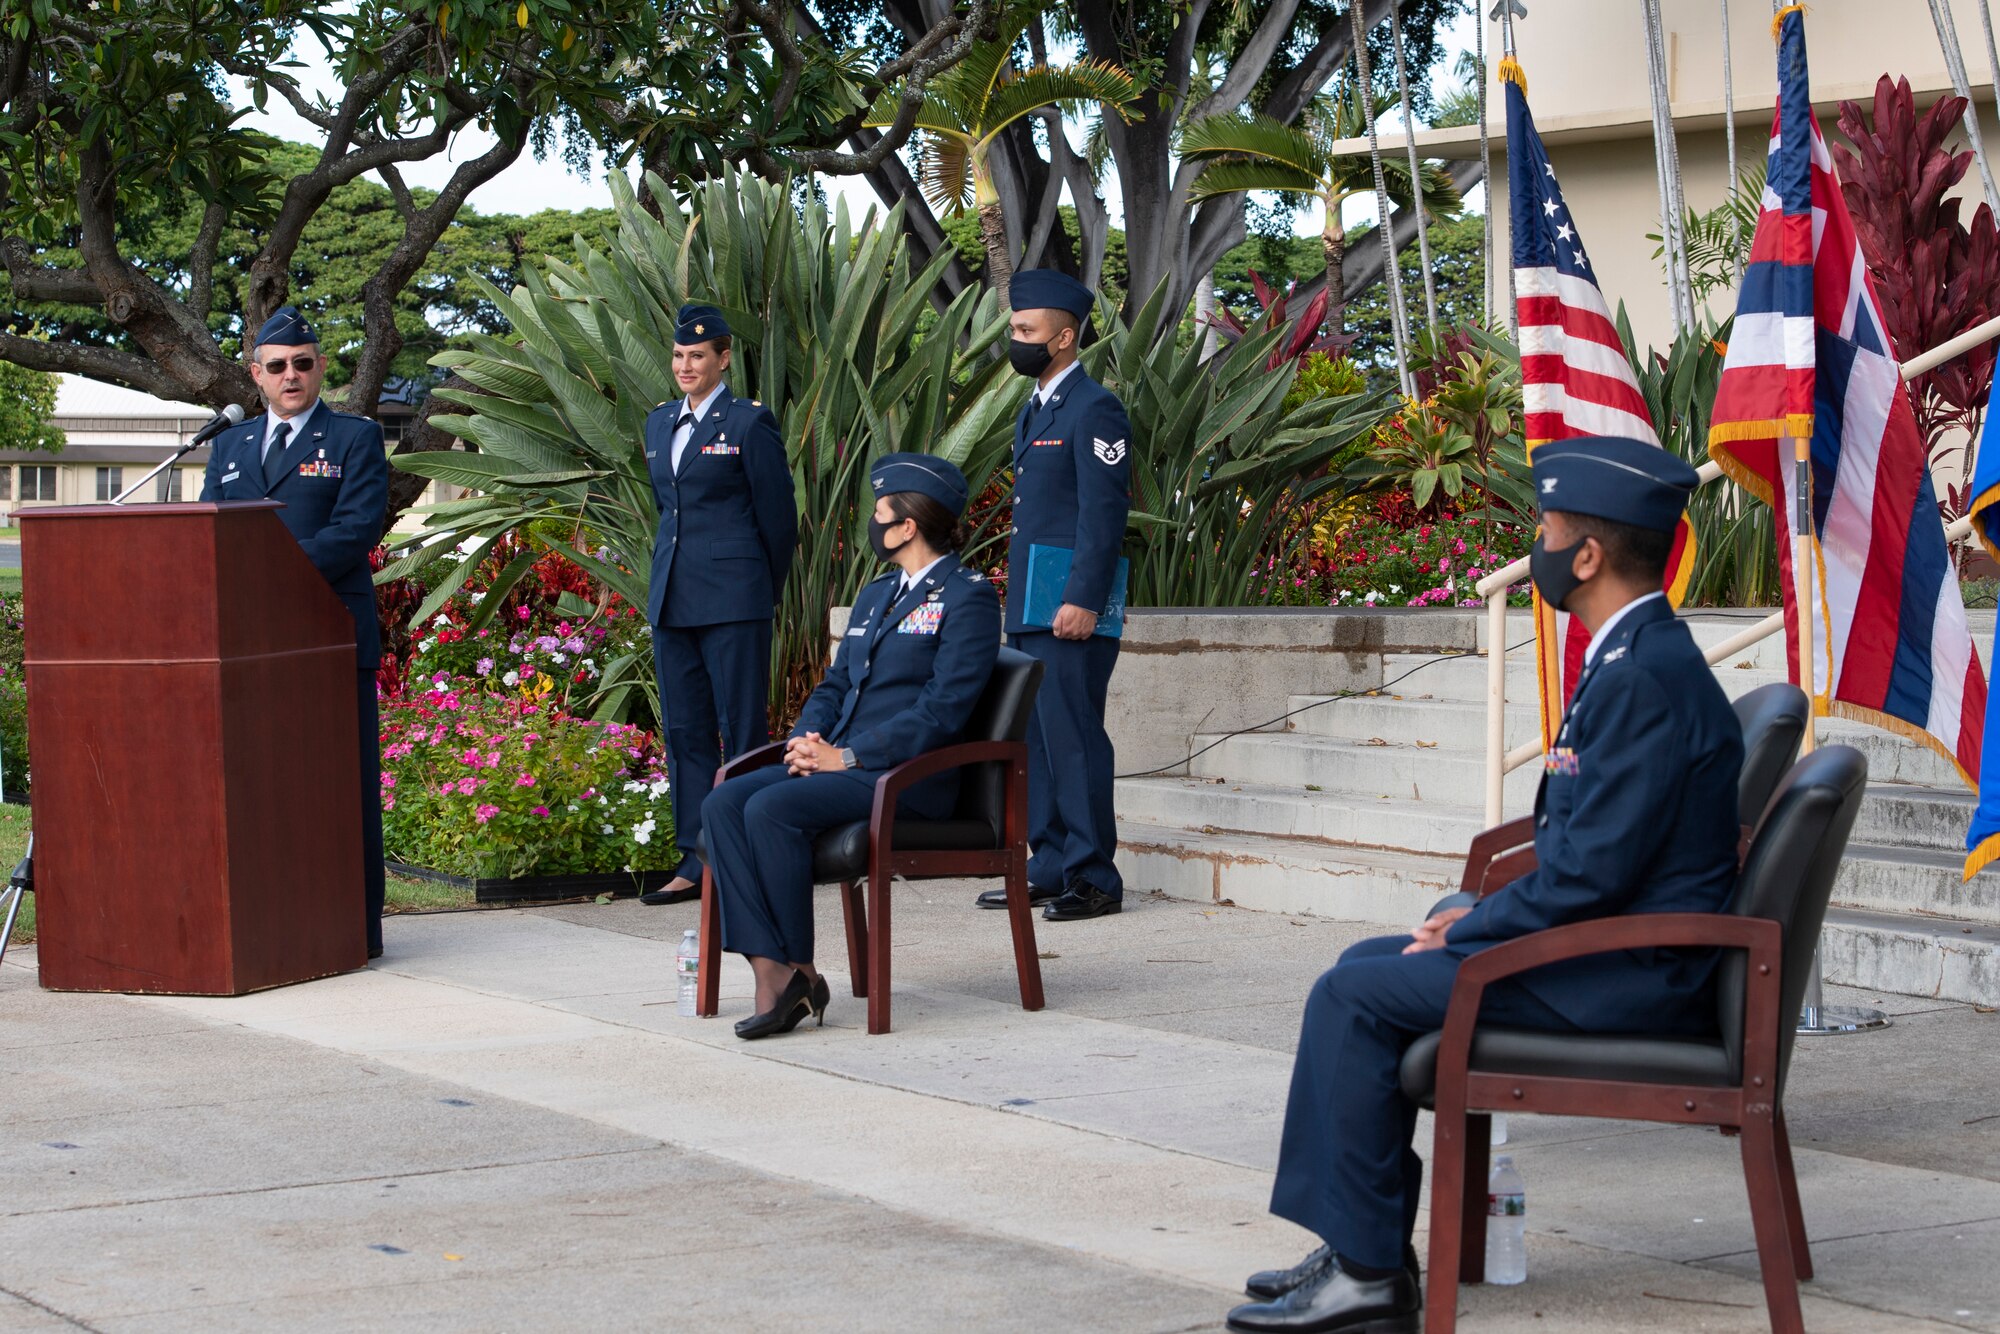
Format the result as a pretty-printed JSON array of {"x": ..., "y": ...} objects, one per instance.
[{"x": 117, "y": 435}]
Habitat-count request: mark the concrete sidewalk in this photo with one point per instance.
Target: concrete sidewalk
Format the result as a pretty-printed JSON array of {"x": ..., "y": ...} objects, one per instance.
[{"x": 504, "y": 1125}]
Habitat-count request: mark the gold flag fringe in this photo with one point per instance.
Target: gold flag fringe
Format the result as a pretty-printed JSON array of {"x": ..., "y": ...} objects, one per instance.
[
  {"x": 1510, "y": 71},
  {"x": 1778, "y": 19}
]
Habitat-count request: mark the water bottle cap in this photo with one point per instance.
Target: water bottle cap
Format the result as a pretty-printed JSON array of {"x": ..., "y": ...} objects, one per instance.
[
  {"x": 1504, "y": 1160},
  {"x": 688, "y": 934}
]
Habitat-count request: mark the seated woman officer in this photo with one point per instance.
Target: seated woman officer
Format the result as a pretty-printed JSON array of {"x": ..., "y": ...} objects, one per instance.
[{"x": 918, "y": 650}]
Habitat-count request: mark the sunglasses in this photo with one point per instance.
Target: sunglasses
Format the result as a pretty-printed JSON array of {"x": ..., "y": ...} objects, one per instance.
[{"x": 301, "y": 363}]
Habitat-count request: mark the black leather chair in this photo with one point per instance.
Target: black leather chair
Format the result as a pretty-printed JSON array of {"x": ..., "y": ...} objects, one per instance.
[
  {"x": 1773, "y": 718},
  {"x": 986, "y": 836},
  {"x": 1734, "y": 1081}
]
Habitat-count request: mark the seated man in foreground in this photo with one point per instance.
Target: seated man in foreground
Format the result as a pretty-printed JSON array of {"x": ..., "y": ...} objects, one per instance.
[{"x": 1636, "y": 814}]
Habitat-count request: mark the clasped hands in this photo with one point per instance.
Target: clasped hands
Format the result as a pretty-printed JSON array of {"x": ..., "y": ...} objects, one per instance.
[
  {"x": 1430, "y": 935},
  {"x": 812, "y": 754}
]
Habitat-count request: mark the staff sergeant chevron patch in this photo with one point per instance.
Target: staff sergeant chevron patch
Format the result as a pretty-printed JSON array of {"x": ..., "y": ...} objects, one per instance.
[{"x": 1113, "y": 452}]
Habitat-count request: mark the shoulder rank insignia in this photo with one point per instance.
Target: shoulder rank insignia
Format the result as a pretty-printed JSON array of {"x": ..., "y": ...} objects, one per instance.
[
  {"x": 1112, "y": 452},
  {"x": 1616, "y": 653}
]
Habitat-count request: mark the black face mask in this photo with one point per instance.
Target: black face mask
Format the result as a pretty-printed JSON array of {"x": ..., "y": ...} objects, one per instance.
[
  {"x": 1029, "y": 358},
  {"x": 877, "y": 532},
  {"x": 1553, "y": 572}
]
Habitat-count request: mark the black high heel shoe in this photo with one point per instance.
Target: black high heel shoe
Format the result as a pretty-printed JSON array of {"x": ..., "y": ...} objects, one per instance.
[
  {"x": 794, "y": 1004},
  {"x": 822, "y": 996}
]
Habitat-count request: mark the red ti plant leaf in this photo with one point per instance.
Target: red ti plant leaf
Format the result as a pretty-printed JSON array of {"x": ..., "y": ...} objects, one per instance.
[{"x": 1935, "y": 275}]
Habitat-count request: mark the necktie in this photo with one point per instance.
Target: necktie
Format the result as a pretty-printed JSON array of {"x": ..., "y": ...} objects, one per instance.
[
  {"x": 274, "y": 455},
  {"x": 681, "y": 442}
]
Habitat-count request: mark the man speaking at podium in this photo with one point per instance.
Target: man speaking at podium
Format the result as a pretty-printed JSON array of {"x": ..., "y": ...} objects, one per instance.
[{"x": 332, "y": 473}]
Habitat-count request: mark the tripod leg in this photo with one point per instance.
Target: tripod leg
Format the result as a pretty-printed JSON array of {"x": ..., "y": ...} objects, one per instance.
[{"x": 13, "y": 896}]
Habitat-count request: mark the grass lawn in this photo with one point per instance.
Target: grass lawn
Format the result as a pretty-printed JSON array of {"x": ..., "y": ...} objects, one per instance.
[
  {"x": 404, "y": 895},
  {"x": 10, "y": 581}
]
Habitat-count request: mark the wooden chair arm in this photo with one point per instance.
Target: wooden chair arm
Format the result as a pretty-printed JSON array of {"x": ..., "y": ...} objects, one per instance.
[
  {"x": 891, "y": 785},
  {"x": 1498, "y": 850},
  {"x": 1761, "y": 937},
  {"x": 750, "y": 760}
]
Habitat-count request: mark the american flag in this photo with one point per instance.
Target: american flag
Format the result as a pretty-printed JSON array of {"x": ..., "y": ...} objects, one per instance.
[
  {"x": 1575, "y": 380},
  {"x": 1810, "y": 357}
]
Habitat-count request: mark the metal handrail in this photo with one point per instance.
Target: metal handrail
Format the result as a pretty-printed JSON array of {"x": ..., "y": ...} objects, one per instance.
[{"x": 1494, "y": 589}]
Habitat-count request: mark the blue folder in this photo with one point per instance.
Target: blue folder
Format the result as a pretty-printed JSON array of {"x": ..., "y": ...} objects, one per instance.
[{"x": 1048, "y": 575}]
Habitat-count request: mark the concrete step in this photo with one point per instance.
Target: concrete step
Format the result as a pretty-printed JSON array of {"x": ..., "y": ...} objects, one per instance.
[
  {"x": 1446, "y": 712},
  {"x": 1223, "y": 806},
  {"x": 1946, "y": 957},
  {"x": 1875, "y": 877},
  {"x": 1918, "y": 881},
  {"x": 1400, "y": 770},
  {"x": 1901, "y": 815},
  {"x": 1462, "y": 678}
]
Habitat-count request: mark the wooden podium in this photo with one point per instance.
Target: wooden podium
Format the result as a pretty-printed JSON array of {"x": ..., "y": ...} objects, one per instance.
[{"x": 192, "y": 737}]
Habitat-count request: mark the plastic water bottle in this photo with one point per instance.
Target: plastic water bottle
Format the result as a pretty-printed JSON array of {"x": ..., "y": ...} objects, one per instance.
[
  {"x": 1499, "y": 1133},
  {"x": 1506, "y": 1224},
  {"x": 687, "y": 964}
]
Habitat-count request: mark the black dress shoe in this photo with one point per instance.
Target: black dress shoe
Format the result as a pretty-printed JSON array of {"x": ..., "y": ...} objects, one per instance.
[
  {"x": 1082, "y": 899},
  {"x": 1336, "y": 1300},
  {"x": 821, "y": 997},
  {"x": 374, "y": 951},
  {"x": 1037, "y": 896},
  {"x": 655, "y": 897},
  {"x": 794, "y": 1004},
  {"x": 1268, "y": 1285}
]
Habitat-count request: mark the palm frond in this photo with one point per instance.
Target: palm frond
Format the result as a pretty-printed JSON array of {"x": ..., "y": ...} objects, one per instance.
[
  {"x": 1068, "y": 86},
  {"x": 946, "y": 176},
  {"x": 1253, "y": 137},
  {"x": 1228, "y": 177},
  {"x": 939, "y": 114}
]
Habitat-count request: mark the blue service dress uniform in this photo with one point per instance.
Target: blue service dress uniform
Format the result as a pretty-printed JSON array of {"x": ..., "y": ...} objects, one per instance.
[
  {"x": 1072, "y": 489},
  {"x": 728, "y": 527},
  {"x": 333, "y": 478},
  {"x": 1636, "y": 814},
  {"x": 905, "y": 680}
]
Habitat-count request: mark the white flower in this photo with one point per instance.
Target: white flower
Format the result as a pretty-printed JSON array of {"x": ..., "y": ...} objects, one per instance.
[
  {"x": 478, "y": 598},
  {"x": 1395, "y": 588},
  {"x": 632, "y": 785},
  {"x": 442, "y": 619},
  {"x": 642, "y": 832},
  {"x": 1372, "y": 595},
  {"x": 609, "y": 830},
  {"x": 175, "y": 99},
  {"x": 573, "y": 806},
  {"x": 659, "y": 787},
  {"x": 511, "y": 679},
  {"x": 558, "y": 658}
]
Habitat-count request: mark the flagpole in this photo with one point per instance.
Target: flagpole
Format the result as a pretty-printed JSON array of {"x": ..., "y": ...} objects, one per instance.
[{"x": 1816, "y": 1017}]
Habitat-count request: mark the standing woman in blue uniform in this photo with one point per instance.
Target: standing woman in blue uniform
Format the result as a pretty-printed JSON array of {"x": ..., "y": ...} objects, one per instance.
[
  {"x": 920, "y": 644},
  {"x": 332, "y": 473},
  {"x": 728, "y": 526},
  {"x": 1072, "y": 487}
]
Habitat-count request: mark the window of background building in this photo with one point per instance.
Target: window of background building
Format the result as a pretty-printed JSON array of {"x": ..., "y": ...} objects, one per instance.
[
  {"x": 6, "y": 483},
  {"x": 110, "y": 481},
  {"x": 167, "y": 486},
  {"x": 38, "y": 482}
]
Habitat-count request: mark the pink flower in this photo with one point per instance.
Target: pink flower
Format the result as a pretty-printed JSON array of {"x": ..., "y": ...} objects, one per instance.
[
  {"x": 525, "y": 780},
  {"x": 388, "y": 780},
  {"x": 542, "y": 811},
  {"x": 388, "y": 803},
  {"x": 524, "y": 613},
  {"x": 493, "y": 759},
  {"x": 467, "y": 786},
  {"x": 470, "y": 757},
  {"x": 485, "y": 813}
]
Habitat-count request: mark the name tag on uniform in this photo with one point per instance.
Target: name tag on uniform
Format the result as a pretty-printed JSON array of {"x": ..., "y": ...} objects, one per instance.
[
  {"x": 854, "y": 630},
  {"x": 231, "y": 476},
  {"x": 922, "y": 620},
  {"x": 652, "y": 453},
  {"x": 1040, "y": 444},
  {"x": 720, "y": 448},
  {"x": 319, "y": 468},
  {"x": 1561, "y": 763}
]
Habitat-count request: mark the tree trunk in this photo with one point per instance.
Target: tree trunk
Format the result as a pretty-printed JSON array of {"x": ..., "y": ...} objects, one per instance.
[
  {"x": 992, "y": 227},
  {"x": 1333, "y": 244},
  {"x": 1204, "y": 314}
]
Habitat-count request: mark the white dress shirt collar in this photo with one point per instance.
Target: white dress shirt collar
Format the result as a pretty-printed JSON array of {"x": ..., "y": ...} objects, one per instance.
[
  {"x": 910, "y": 581},
  {"x": 1042, "y": 392},
  {"x": 298, "y": 423}
]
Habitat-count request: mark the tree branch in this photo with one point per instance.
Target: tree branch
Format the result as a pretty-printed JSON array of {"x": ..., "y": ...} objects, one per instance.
[
  {"x": 99, "y": 363},
  {"x": 36, "y": 281},
  {"x": 201, "y": 259},
  {"x": 1291, "y": 93},
  {"x": 1251, "y": 62}
]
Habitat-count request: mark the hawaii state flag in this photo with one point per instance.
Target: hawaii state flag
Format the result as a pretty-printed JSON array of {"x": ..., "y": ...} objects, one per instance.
[
  {"x": 1575, "y": 380},
  {"x": 1982, "y": 840},
  {"x": 1810, "y": 357}
]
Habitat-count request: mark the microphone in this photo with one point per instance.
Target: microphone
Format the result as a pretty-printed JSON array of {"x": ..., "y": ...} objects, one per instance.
[{"x": 220, "y": 422}]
